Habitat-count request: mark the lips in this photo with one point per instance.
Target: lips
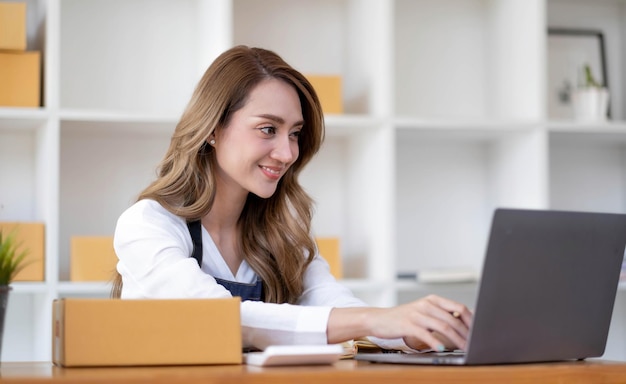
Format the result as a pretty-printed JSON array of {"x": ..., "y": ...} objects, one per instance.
[{"x": 273, "y": 173}]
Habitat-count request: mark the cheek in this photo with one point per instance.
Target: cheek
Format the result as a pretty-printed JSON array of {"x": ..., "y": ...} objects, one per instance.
[{"x": 295, "y": 150}]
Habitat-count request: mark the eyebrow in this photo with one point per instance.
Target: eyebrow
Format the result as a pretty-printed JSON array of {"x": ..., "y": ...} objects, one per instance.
[{"x": 279, "y": 119}]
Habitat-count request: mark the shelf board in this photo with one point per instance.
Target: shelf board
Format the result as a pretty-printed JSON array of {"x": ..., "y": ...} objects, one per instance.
[
  {"x": 408, "y": 285},
  {"x": 82, "y": 288},
  {"x": 608, "y": 126},
  {"x": 610, "y": 133},
  {"x": 114, "y": 116},
  {"x": 465, "y": 129},
  {"x": 18, "y": 119},
  {"x": 469, "y": 124},
  {"x": 92, "y": 122},
  {"x": 30, "y": 287},
  {"x": 364, "y": 285},
  {"x": 347, "y": 125}
]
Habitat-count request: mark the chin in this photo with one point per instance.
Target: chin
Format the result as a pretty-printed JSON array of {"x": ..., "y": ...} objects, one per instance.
[{"x": 264, "y": 194}]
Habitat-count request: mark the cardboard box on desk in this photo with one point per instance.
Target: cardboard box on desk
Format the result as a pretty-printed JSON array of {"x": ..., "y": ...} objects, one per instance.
[
  {"x": 30, "y": 237},
  {"x": 92, "y": 258},
  {"x": 20, "y": 79},
  {"x": 13, "y": 26},
  {"x": 115, "y": 332}
]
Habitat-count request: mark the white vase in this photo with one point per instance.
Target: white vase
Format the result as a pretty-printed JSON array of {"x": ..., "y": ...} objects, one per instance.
[{"x": 591, "y": 104}]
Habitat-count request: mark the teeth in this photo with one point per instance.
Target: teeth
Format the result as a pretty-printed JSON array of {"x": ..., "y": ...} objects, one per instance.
[{"x": 271, "y": 170}]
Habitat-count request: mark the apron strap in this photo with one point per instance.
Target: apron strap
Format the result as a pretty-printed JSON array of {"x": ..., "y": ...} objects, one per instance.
[{"x": 195, "y": 230}]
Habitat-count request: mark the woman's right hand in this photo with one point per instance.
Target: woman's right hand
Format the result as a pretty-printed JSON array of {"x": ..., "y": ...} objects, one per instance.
[{"x": 431, "y": 322}]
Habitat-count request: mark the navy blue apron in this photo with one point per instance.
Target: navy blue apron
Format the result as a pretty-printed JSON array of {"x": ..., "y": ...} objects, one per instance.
[{"x": 252, "y": 292}]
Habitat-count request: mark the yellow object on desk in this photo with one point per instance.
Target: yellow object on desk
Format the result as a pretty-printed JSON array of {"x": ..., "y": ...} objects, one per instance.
[{"x": 114, "y": 332}]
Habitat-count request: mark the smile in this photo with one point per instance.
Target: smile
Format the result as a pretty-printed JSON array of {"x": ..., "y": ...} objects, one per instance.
[{"x": 272, "y": 171}]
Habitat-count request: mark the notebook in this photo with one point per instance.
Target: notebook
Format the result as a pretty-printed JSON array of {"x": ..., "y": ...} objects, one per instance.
[{"x": 546, "y": 292}]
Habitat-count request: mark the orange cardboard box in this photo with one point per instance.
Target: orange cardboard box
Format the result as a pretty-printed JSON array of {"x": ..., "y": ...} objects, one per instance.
[
  {"x": 330, "y": 250},
  {"x": 13, "y": 26},
  {"x": 329, "y": 91},
  {"x": 31, "y": 237},
  {"x": 20, "y": 79},
  {"x": 92, "y": 258},
  {"x": 115, "y": 332}
]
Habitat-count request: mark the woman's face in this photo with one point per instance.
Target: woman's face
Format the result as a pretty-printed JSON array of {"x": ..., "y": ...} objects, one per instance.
[{"x": 260, "y": 142}]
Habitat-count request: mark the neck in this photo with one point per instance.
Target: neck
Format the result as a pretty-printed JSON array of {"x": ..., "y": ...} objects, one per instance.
[
  {"x": 224, "y": 213},
  {"x": 221, "y": 223}
]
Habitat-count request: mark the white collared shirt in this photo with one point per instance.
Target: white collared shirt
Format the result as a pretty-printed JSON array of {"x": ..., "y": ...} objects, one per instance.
[{"x": 154, "y": 248}]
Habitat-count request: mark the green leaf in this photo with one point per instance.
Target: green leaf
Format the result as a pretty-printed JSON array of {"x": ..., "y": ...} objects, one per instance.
[
  {"x": 12, "y": 260},
  {"x": 590, "y": 81}
]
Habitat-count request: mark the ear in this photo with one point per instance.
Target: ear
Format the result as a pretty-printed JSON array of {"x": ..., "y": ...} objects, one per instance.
[{"x": 211, "y": 139}]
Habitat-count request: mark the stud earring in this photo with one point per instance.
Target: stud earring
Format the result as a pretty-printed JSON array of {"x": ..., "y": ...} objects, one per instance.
[{"x": 212, "y": 141}]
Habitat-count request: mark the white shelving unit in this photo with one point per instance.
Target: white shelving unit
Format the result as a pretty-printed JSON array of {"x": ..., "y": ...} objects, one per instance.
[{"x": 445, "y": 120}]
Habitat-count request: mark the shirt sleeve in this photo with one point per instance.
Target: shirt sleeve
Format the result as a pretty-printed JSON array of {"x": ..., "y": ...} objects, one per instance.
[
  {"x": 321, "y": 288},
  {"x": 154, "y": 247}
]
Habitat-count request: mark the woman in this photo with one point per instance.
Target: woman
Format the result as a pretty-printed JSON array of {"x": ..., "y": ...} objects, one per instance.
[{"x": 227, "y": 217}]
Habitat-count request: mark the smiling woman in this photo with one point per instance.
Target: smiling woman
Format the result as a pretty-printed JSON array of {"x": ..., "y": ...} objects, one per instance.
[
  {"x": 226, "y": 216},
  {"x": 266, "y": 132}
]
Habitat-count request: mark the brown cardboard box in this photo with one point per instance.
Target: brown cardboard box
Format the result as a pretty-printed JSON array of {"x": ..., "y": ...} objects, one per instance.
[
  {"x": 92, "y": 258},
  {"x": 329, "y": 91},
  {"x": 13, "y": 26},
  {"x": 114, "y": 332},
  {"x": 20, "y": 79},
  {"x": 32, "y": 239},
  {"x": 329, "y": 249}
]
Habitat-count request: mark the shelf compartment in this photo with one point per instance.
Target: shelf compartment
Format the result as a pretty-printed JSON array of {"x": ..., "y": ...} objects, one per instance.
[
  {"x": 609, "y": 17},
  {"x": 468, "y": 59},
  {"x": 448, "y": 183},
  {"x": 133, "y": 55},
  {"x": 104, "y": 165},
  {"x": 352, "y": 43},
  {"x": 347, "y": 189},
  {"x": 23, "y": 161},
  {"x": 588, "y": 169}
]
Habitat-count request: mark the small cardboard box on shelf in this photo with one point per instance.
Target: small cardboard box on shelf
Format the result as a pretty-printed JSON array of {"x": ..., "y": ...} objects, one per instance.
[
  {"x": 92, "y": 258},
  {"x": 20, "y": 77},
  {"x": 13, "y": 26},
  {"x": 31, "y": 237},
  {"x": 329, "y": 248},
  {"x": 329, "y": 91}
]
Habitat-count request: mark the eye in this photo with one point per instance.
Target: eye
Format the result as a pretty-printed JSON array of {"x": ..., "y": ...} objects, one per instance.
[
  {"x": 268, "y": 130},
  {"x": 295, "y": 134}
]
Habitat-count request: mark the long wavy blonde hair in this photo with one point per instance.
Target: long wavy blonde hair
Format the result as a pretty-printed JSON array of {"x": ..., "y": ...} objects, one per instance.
[{"x": 276, "y": 240}]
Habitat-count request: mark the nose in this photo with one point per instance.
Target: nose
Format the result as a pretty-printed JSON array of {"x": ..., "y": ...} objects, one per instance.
[{"x": 285, "y": 149}]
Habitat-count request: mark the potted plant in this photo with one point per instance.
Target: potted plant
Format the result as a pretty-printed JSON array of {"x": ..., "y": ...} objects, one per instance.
[
  {"x": 591, "y": 99},
  {"x": 11, "y": 262}
]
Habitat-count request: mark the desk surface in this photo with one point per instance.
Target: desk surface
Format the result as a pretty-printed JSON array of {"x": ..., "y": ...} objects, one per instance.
[{"x": 345, "y": 371}]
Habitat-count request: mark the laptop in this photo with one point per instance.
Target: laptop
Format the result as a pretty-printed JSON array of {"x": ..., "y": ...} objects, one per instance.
[{"x": 546, "y": 292}]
